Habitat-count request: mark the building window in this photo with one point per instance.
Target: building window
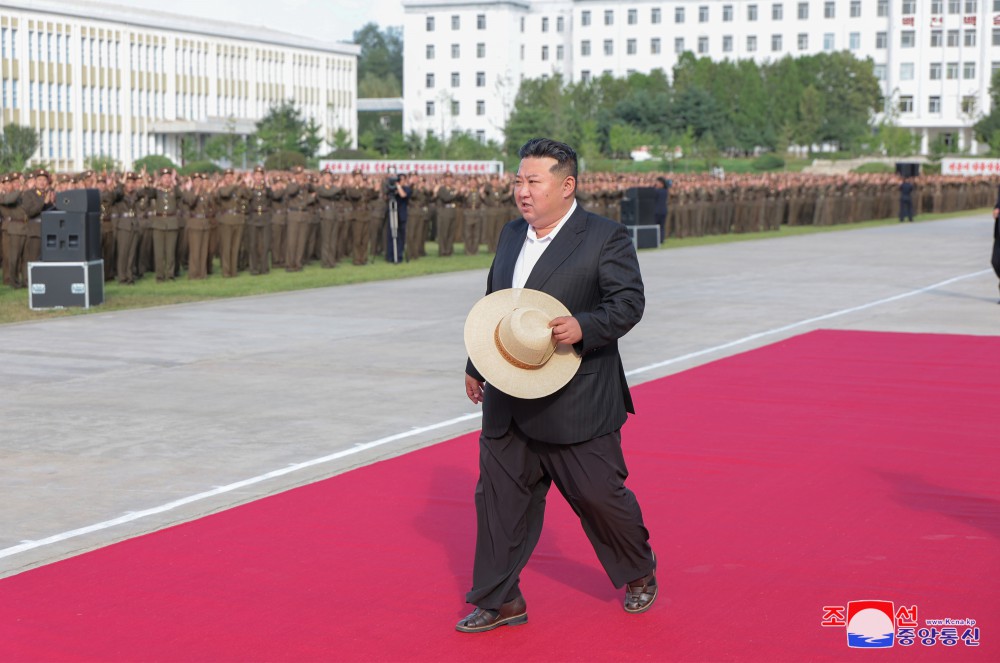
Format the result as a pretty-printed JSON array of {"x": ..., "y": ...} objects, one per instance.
[
  {"x": 937, "y": 7},
  {"x": 455, "y": 79},
  {"x": 854, "y": 39},
  {"x": 559, "y": 52},
  {"x": 803, "y": 41},
  {"x": 585, "y": 47},
  {"x": 829, "y": 9},
  {"x": 702, "y": 45},
  {"x": 952, "y": 38},
  {"x": 775, "y": 43},
  {"x": 951, "y": 71},
  {"x": 828, "y": 41},
  {"x": 934, "y": 105},
  {"x": 609, "y": 47},
  {"x": 654, "y": 46},
  {"x": 727, "y": 44},
  {"x": 954, "y": 6},
  {"x": 430, "y": 80},
  {"x": 678, "y": 45},
  {"x": 522, "y": 24},
  {"x": 585, "y": 18},
  {"x": 480, "y": 50},
  {"x": 703, "y": 14},
  {"x": 879, "y": 72},
  {"x": 654, "y": 15},
  {"x": 935, "y": 73},
  {"x": 633, "y": 16},
  {"x": 480, "y": 79},
  {"x": 751, "y": 43},
  {"x": 430, "y": 24},
  {"x": 971, "y": 6},
  {"x": 456, "y": 22},
  {"x": 429, "y": 109},
  {"x": 882, "y": 8},
  {"x": 455, "y": 52},
  {"x": 751, "y": 12},
  {"x": 480, "y": 21},
  {"x": 545, "y": 24},
  {"x": 430, "y": 51},
  {"x": 907, "y": 39},
  {"x": 909, "y": 7},
  {"x": 906, "y": 104},
  {"x": 906, "y": 71},
  {"x": 727, "y": 13},
  {"x": 609, "y": 17},
  {"x": 480, "y": 107},
  {"x": 969, "y": 71},
  {"x": 777, "y": 11},
  {"x": 803, "y": 11},
  {"x": 969, "y": 38},
  {"x": 937, "y": 38},
  {"x": 545, "y": 52},
  {"x": 969, "y": 105},
  {"x": 560, "y": 24},
  {"x": 855, "y": 8},
  {"x": 630, "y": 47},
  {"x": 678, "y": 15}
]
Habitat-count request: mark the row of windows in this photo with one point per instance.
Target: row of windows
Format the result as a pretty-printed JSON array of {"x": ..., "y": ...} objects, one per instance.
[
  {"x": 967, "y": 105},
  {"x": 456, "y": 22},
  {"x": 456, "y": 79},
  {"x": 908, "y": 7},
  {"x": 456, "y": 51},
  {"x": 430, "y": 108}
]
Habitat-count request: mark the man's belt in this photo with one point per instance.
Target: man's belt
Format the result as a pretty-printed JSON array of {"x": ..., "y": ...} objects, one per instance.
[{"x": 450, "y": 205}]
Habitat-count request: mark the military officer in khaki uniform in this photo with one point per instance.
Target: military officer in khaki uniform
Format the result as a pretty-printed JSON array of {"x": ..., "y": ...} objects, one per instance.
[
  {"x": 200, "y": 201},
  {"x": 258, "y": 228},
  {"x": 447, "y": 196},
  {"x": 125, "y": 215},
  {"x": 328, "y": 195},
  {"x": 298, "y": 197},
  {"x": 232, "y": 199},
  {"x": 165, "y": 209}
]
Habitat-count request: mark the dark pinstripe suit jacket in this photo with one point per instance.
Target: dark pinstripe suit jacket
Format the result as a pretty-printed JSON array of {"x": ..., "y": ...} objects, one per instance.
[{"x": 591, "y": 267}]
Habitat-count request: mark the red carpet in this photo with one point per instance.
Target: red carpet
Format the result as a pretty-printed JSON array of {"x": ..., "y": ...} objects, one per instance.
[{"x": 832, "y": 467}]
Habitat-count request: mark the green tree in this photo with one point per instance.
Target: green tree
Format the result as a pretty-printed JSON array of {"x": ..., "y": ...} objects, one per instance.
[
  {"x": 380, "y": 63},
  {"x": 17, "y": 145},
  {"x": 809, "y": 130},
  {"x": 987, "y": 129},
  {"x": 153, "y": 163},
  {"x": 229, "y": 147},
  {"x": 284, "y": 129}
]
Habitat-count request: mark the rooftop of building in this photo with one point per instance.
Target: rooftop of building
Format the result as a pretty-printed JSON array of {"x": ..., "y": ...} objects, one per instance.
[{"x": 157, "y": 20}]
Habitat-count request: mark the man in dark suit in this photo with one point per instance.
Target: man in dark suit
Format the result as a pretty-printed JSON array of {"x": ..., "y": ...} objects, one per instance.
[
  {"x": 995, "y": 259},
  {"x": 571, "y": 437}
]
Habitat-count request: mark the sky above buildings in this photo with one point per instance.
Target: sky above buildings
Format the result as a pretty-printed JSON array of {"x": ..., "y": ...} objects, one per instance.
[{"x": 325, "y": 20}]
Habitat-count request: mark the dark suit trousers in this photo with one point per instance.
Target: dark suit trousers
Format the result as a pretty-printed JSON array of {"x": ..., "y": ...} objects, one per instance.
[{"x": 515, "y": 473}]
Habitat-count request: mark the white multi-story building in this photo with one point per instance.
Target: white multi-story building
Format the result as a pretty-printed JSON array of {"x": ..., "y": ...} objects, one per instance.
[
  {"x": 99, "y": 80},
  {"x": 463, "y": 60}
]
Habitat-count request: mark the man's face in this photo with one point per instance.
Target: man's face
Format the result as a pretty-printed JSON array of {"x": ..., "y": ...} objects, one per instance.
[{"x": 542, "y": 197}]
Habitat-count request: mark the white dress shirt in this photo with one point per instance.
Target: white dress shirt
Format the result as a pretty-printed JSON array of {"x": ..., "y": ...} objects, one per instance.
[{"x": 533, "y": 248}]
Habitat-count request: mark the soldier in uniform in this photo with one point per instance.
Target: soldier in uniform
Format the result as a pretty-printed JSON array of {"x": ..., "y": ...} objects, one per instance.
[
  {"x": 15, "y": 230},
  {"x": 37, "y": 197},
  {"x": 416, "y": 222},
  {"x": 165, "y": 208},
  {"x": 258, "y": 227},
  {"x": 447, "y": 196},
  {"x": 472, "y": 216},
  {"x": 125, "y": 215},
  {"x": 232, "y": 197},
  {"x": 356, "y": 192},
  {"x": 330, "y": 218},
  {"x": 279, "y": 220},
  {"x": 299, "y": 197},
  {"x": 200, "y": 201}
]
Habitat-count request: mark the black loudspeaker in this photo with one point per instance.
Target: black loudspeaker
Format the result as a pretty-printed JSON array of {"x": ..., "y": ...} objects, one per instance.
[
  {"x": 645, "y": 237},
  {"x": 638, "y": 206},
  {"x": 71, "y": 236},
  {"x": 79, "y": 200},
  {"x": 65, "y": 284},
  {"x": 907, "y": 169}
]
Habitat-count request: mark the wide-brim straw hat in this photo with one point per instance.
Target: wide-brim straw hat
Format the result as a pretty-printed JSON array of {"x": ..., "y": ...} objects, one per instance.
[{"x": 509, "y": 341}]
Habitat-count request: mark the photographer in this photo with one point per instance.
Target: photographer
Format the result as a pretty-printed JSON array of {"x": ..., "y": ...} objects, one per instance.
[{"x": 398, "y": 193}]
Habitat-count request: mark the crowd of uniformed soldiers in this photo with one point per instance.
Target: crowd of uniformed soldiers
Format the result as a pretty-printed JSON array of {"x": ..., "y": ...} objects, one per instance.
[{"x": 252, "y": 221}]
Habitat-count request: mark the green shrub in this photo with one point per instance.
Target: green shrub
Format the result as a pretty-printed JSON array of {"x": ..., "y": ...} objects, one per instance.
[
  {"x": 285, "y": 160},
  {"x": 153, "y": 163},
  {"x": 199, "y": 167},
  {"x": 768, "y": 161}
]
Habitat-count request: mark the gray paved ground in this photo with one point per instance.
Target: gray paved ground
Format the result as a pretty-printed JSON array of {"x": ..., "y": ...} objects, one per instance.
[{"x": 116, "y": 420}]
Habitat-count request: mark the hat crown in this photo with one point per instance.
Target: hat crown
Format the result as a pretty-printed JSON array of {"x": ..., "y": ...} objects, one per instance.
[{"x": 524, "y": 337}]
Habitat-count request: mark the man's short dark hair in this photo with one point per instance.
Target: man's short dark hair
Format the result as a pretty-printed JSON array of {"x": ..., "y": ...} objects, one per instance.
[{"x": 564, "y": 155}]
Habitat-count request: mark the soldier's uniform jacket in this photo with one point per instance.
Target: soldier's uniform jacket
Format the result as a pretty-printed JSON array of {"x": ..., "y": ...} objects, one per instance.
[
  {"x": 298, "y": 198},
  {"x": 125, "y": 212},
  {"x": 232, "y": 200},
  {"x": 327, "y": 198},
  {"x": 259, "y": 205},
  {"x": 164, "y": 207},
  {"x": 202, "y": 209}
]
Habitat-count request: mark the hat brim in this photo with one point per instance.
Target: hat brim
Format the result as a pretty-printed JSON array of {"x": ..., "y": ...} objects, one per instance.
[{"x": 480, "y": 326}]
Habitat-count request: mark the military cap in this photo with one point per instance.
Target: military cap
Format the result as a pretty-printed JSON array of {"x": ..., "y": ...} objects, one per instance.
[
  {"x": 40, "y": 172},
  {"x": 131, "y": 175},
  {"x": 258, "y": 169},
  {"x": 5, "y": 178},
  {"x": 164, "y": 171},
  {"x": 85, "y": 174},
  {"x": 15, "y": 176},
  {"x": 298, "y": 170},
  {"x": 230, "y": 171},
  {"x": 62, "y": 178}
]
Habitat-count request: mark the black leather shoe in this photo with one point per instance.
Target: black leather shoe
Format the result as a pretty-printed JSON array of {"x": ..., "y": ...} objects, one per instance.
[
  {"x": 640, "y": 594},
  {"x": 512, "y": 613}
]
